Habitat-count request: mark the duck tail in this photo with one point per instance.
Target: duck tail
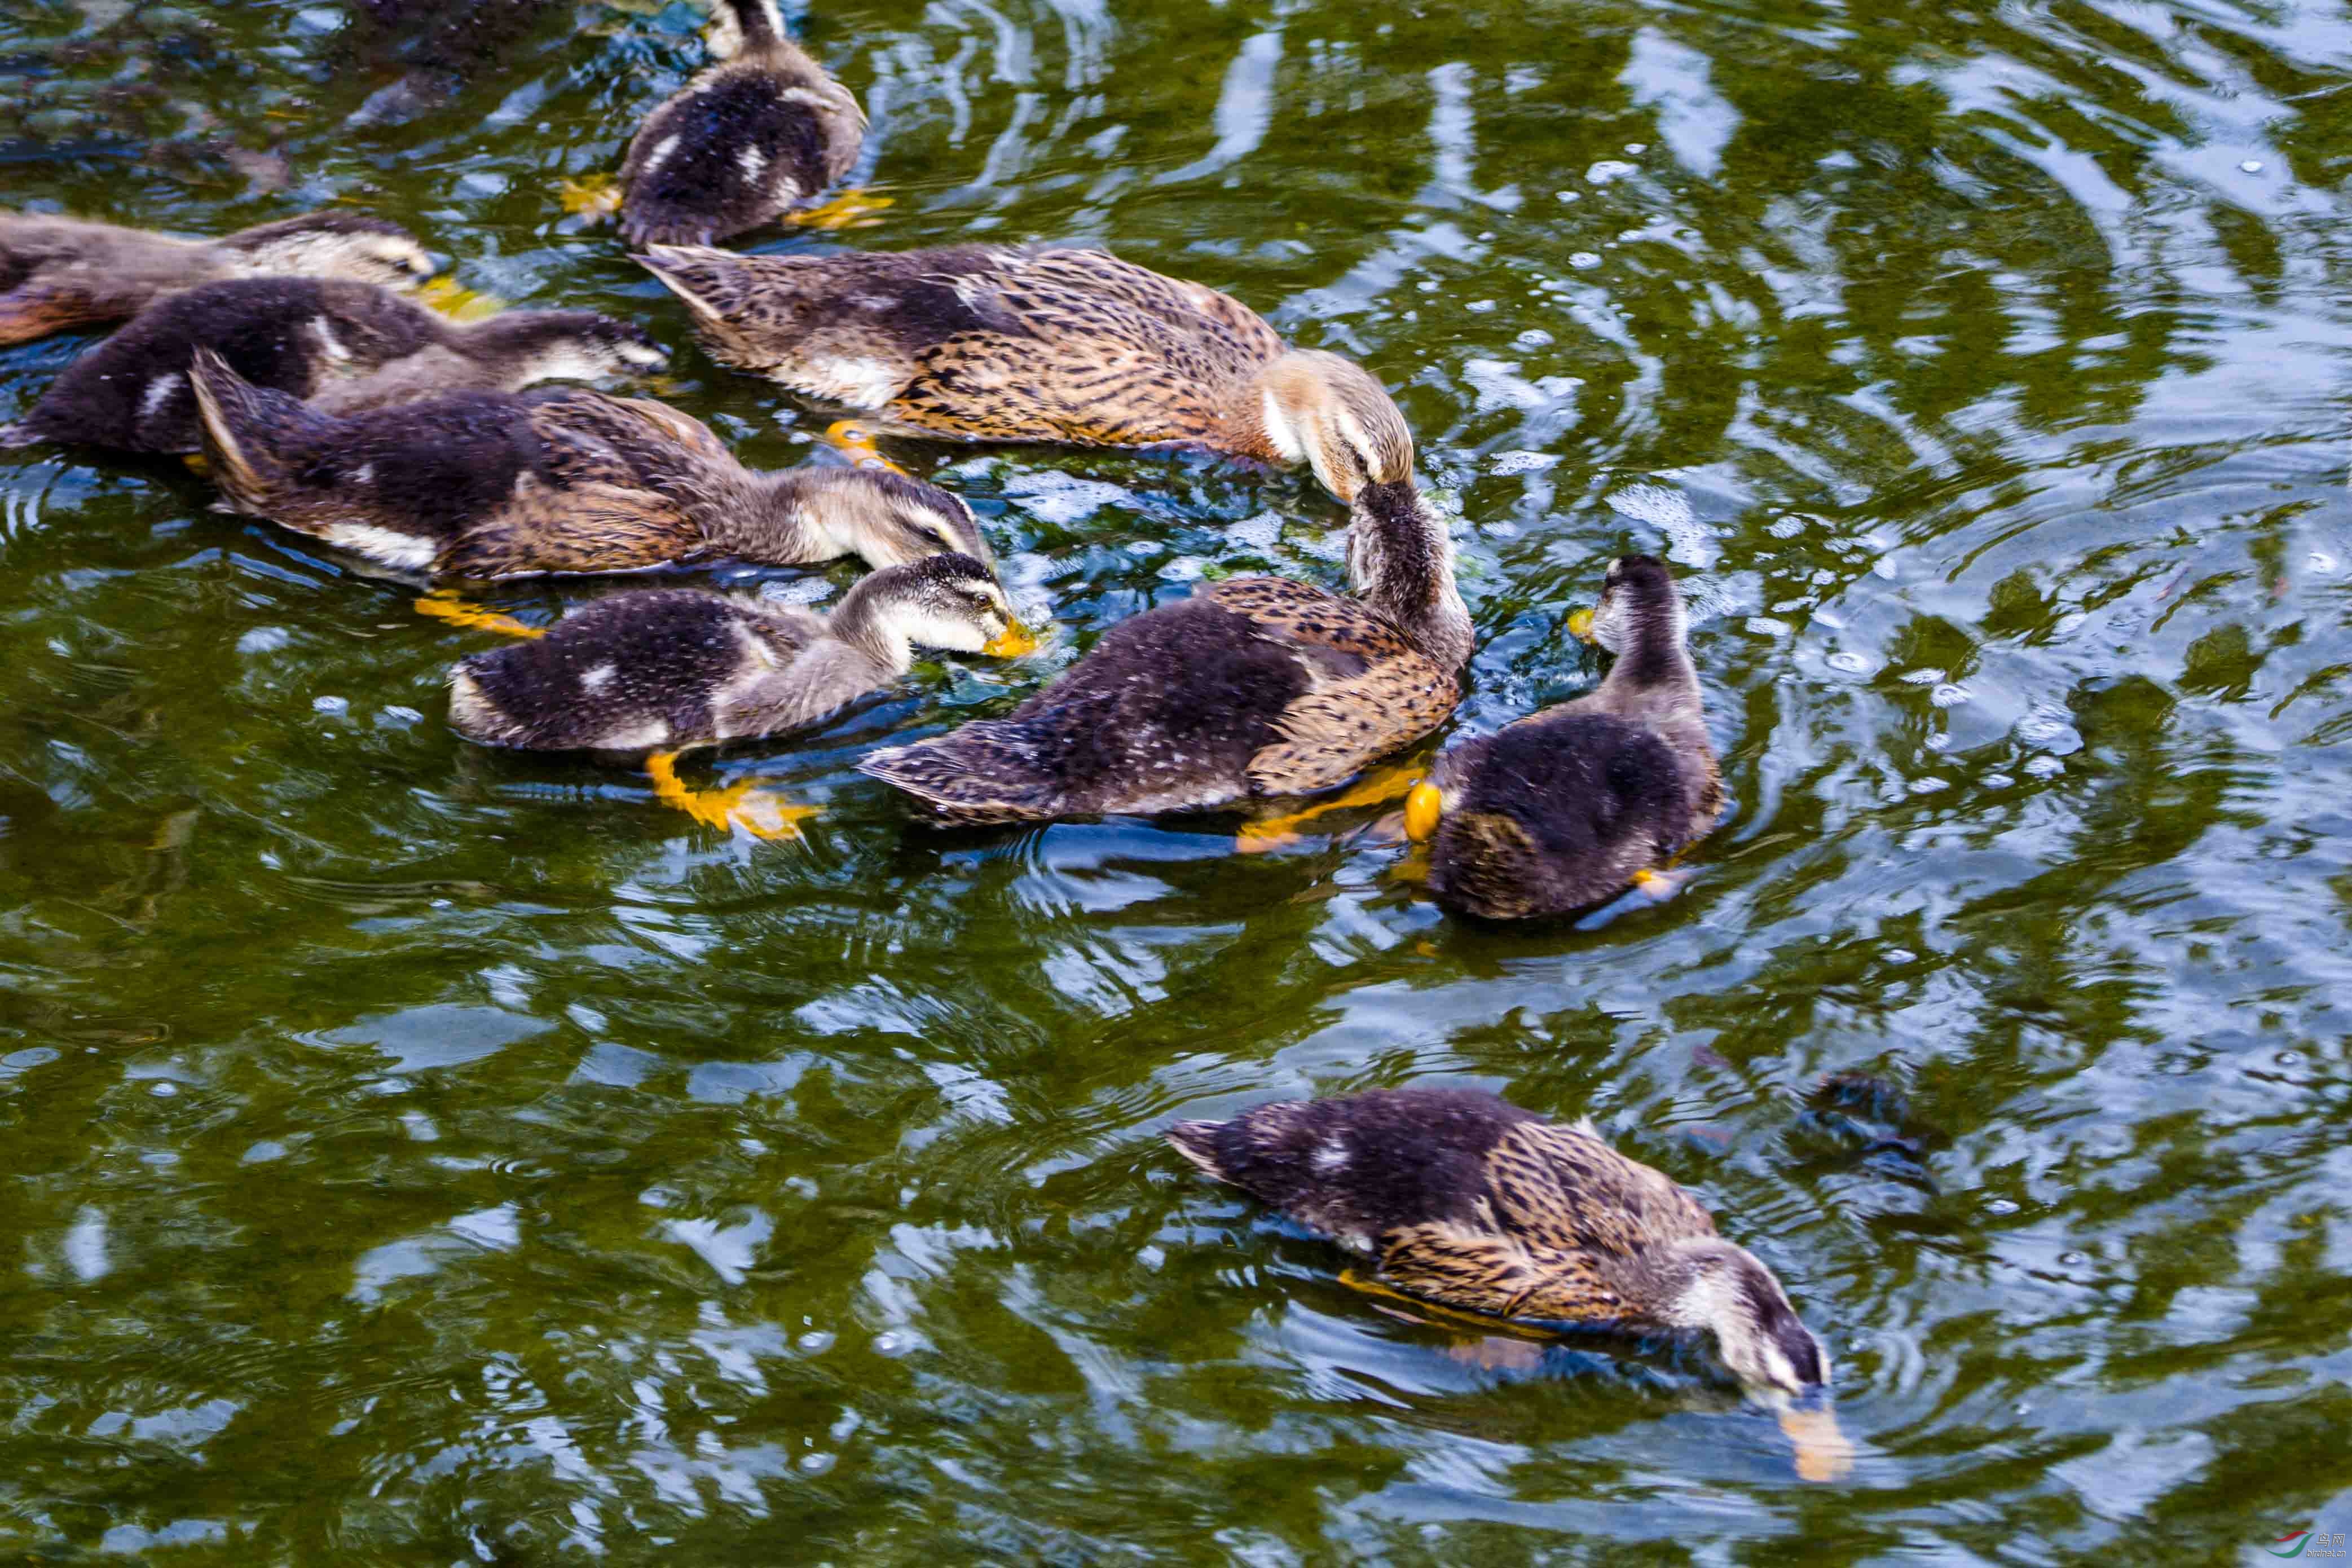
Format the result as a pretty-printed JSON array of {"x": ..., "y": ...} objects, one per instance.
[
  {"x": 1197, "y": 1141},
  {"x": 973, "y": 776},
  {"x": 246, "y": 431},
  {"x": 714, "y": 283}
]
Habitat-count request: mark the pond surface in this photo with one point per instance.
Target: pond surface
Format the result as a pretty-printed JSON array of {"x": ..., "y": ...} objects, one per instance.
[{"x": 417, "y": 1155}]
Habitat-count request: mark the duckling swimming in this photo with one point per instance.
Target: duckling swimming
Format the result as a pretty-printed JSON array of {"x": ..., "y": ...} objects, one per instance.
[
  {"x": 348, "y": 346},
  {"x": 1566, "y": 808},
  {"x": 1464, "y": 1199},
  {"x": 57, "y": 274},
  {"x": 756, "y": 134},
  {"x": 560, "y": 480},
  {"x": 1253, "y": 688},
  {"x": 673, "y": 667},
  {"x": 1003, "y": 344}
]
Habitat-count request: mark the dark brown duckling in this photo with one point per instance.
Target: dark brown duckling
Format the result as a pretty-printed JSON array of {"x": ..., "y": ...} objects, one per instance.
[
  {"x": 670, "y": 668},
  {"x": 749, "y": 139},
  {"x": 59, "y": 274},
  {"x": 1253, "y": 688},
  {"x": 351, "y": 346},
  {"x": 559, "y": 480},
  {"x": 1566, "y": 808},
  {"x": 1461, "y": 1198}
]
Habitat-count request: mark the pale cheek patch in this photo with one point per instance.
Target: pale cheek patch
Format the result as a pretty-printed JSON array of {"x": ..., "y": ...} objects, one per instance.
[{"x": 1281, "y": 433}]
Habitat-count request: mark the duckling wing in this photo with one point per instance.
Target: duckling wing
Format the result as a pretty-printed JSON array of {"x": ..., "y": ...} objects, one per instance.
[
  {"x": 1482, "y": 1270},
  {"x": 649, "y": 442},
  {"x": 591, "y": 525},
  {"x": 1377, "y": 693},
  {"x": 1079, "y": 346}
]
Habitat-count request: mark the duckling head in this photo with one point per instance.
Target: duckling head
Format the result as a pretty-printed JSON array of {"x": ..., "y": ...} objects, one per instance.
[
  {"x": 889, "y": 519},
  {"x": 565, "y": 345},
  {"x": 356, "y": 245},
  {"x": 950, "y": 602},
  {"x": 1712, "y": 1287},
  {"x": 737, "y": 24},
  {"x": 1328, "y": 412},
  {"x": 1641, "y": 612}
]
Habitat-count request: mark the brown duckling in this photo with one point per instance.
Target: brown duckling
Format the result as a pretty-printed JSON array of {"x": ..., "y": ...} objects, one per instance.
[
  {"x": 755, "y": 135},
  {"x": 673, "y": 667},
  {"x": 1461, "y": 1198},
  {"x": 1566, "y": 808},
  {"x": 1003, "y": 344},
  {"x": 1253, "y": 688},
  {"x": 57, "y": 274},
  {"x": 347, "y": 346},
  {"x": 564, "y": 480}
]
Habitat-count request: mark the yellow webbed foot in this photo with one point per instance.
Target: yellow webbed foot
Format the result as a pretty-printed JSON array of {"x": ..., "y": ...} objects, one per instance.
[
  {"x": 457, "y": 301},
  {"x": 198, "y": 463},
  {"x": 1659, "y": 886},
  {"x": 1825, "y": 1452},
  {"x": 857, "y": 442},
  {"x": 1376, "y": 788},
  {"x": 593, "y": 197},
  {"x": 443, "y": 604},
  {"x": 849, "y": 209},
  {"x": 756, "y": 811}
]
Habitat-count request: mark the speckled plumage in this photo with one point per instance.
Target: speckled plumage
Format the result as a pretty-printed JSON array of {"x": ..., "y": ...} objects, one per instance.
[
  {"x": 1559, "y": 811},
  {"x": 558, "y": 480},
  {"x": 1254, "y": 686},
  {"x": 351, "y": 346},
  {"x": 673, "y": 667},
  {"x": 747, "y": 140},
  {"x": 1462, "y": 1198},
  {"x": 61, "y": 274}
]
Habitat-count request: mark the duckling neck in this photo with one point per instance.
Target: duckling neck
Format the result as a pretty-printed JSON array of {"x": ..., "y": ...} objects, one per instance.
[
  {"x": 760, "y": 22},
  {"x": 865, "y": 622},
  {"x": 1401, "y": 562},
  {"x": 1657, "y": 653},
  {"x": 764, "y": 518}
]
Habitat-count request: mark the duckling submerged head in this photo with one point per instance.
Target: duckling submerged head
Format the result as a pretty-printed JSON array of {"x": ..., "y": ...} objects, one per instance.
[
  {"x": 1712, "y": 1287},
  {"x": 356, "y": 245},
  {"x": 950, "y": 602},
  {"x": 1328, "y": 412}
]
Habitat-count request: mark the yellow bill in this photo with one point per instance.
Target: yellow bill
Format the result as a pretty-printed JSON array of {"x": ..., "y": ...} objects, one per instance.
[
  {"x": 1580, "y": 625},
  {"x": 1011, "y": 642},
  {"x": 1825, "y": 1452},
  {"x": 1422, "y": 807}
]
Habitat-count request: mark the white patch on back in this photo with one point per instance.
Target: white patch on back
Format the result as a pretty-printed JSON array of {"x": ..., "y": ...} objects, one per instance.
[
  {"x": 1330, "y": 1158},
  {"x": 594, "y": 680},
  {"x": 360, "y": 475},
  {"x": 659, "y": 155},
  {"x": 802, "y": 95},
  {"x": 754, "y": 163},
  {"x": 865, "y": 383},
  {"x": 642, "y": 736},
  {"x": 330, "y": 345},
  {"x": 159, "y": 392},
  {"x": 388, "y": 545}
]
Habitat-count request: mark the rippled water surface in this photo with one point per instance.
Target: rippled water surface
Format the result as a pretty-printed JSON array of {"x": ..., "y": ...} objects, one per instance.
[{"x": 417, "y": 1155}]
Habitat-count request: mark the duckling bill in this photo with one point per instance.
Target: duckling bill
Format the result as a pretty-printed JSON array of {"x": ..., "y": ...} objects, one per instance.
[
  {"x": 1566, "y": 808},
  {"x": 752, "y": 137},
  {"x": 1464, "y": 1199},
  {"x": 994, "y": 343},
  {"x": 558, "y": 480},
  {"x": 350, "y": 346},
  {"x": 665, "y": 670},
  {"x": 62, "y": 273}
]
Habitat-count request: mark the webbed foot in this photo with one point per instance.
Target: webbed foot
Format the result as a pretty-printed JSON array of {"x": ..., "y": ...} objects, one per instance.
[
  {"x": 1378, "y": 788},
  {"x": 1659, "y": 886},
  {"x": 445, "y": 604},
  {"x": 1825, "y": 1452},
  {"x": 850, "y": 209},
  {"x": 593, "y": 198},
  {"x": 758, "y": 812},
  {"x": 457, "y": 301}
]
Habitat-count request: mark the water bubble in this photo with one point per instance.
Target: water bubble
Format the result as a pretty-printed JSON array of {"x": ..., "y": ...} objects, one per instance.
[
  {"x": 1998, "y": 781},
  {"x": 1949, "y": 695},
  {"x": 1534, "y": 338},
  {"x": 162, "y": 1089},
  {"x": 1939, "y": 743},
  {"x": 264, "y": 640},
  {"x": 815, "y": 1464},
  {"x": 1922, "y": 677},
  {"x": 1524, "y": 462},
  {"x": 2000, "y": 1206},
  {"x": 1931, "y": 784},
  {"x": 1637, "y": 148},
  {"x": 1851, "y": 662},
  {"x": 1569, "y": 196},
  {"x": 891, "y": 1344},
  {"x": 1606, "y": 170},
  {"x": 1184, "y": 568},
  {"x": 1478, "y": 307},
  {"x": 333, "y": 707},
  {"x": 2250, "y": 166},
  {"x": 816, "y": 1342},
  {"x": 1769, "y": 627},
  {"x": 2321, "y": 562},
  {"x": 1584, "y": 259},
  {"x": 2289, "y": 1058},
  {"x": 1785, "y": 527},
  {"x": 2047, "y": 727},
  {"x": 796, "y": 590},
  {"x": 2043, "y": 767},
  {"x": 397, "y": 716},
  {"x": 2072, "y": 1260}
]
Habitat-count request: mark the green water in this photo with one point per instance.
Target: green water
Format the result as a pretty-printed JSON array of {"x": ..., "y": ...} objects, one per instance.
[{"x": 421, "y": 1156}]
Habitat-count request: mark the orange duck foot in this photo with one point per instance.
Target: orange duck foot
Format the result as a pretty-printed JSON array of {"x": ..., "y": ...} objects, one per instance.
[{"x": 756, "y": 811}]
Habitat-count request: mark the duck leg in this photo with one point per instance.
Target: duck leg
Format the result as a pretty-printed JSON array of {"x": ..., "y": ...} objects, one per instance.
[
  {"x": 852, "y": 208},
  {"x": 592, "y": 199},
  {"x": 1378, "y": 788},
  {"x": 445, "y": 604},
  {"x": 756, "y": 811},
  {"x": 857, "y": 442}
]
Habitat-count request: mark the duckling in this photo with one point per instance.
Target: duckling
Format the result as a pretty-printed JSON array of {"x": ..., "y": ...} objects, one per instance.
[
  {"x": 1253, "y": 687},
  {"x": 481, "y": 484},
  {"x": 1464, "y": 1199},
  {"x": 673, "y": 667},
  {"x": 759, "y": 133},
  {"x": 1055, "y": 344},
  {"x": 1566, "y": 808},
  {"x": 351, "y": 346},
  {"x": 57, "y": 274}
]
